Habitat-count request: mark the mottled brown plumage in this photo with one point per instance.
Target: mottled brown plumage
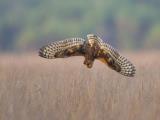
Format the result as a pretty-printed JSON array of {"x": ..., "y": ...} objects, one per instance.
[{"x": 92, "y": 48}]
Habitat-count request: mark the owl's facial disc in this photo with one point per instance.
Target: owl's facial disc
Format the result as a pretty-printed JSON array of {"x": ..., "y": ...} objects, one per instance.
[
  {"x": 91, "y": 42},
  {"x": 91, "y": 39}
]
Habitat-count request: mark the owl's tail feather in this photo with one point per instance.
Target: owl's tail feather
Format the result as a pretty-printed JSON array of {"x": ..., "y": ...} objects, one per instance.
[{"x": 127, "y": 68}]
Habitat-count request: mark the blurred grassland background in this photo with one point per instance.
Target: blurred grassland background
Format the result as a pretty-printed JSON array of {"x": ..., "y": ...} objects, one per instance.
[{"x": 33, "y": 88}]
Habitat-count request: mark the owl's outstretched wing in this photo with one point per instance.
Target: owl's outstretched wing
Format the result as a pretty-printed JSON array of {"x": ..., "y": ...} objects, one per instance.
[
  {"x": 63, "y": 48},
  {"x": 114, "y": 60}
]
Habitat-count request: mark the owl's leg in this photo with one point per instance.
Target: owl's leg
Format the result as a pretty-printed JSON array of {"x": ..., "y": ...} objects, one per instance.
[{"x": 88, "y": 62}]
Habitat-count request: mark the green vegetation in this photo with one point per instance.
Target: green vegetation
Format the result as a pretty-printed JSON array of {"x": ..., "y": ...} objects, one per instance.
[{"x": 127, "y": 24}]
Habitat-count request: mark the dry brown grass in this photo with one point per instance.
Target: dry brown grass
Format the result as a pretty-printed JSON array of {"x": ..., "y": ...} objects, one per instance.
[{"x": 33, "y": 88}]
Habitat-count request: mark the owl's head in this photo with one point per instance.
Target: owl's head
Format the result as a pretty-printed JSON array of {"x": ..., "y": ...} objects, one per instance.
[{"x": 91, "y": 39}]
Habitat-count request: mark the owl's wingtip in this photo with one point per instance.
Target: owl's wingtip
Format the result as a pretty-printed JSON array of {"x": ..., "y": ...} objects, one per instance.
[
  {"x": 42, "y": 53},
  {"x": 130, "y": 72}
]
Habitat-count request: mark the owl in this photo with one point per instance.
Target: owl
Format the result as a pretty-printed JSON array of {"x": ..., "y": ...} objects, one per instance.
[{"x": 92, "y": 48}]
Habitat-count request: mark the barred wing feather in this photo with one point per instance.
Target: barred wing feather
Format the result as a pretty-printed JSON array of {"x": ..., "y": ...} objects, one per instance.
[
  {"x": 115, "y": 60},
  {"x": 63, "y": 48}
]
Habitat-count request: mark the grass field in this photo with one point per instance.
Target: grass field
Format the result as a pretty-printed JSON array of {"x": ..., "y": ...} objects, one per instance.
[{"x": 33, "y": 88}]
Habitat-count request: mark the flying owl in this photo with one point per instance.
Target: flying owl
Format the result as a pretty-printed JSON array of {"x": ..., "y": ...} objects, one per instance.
[{"x": 92, "y": 48}]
